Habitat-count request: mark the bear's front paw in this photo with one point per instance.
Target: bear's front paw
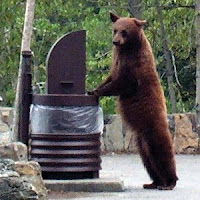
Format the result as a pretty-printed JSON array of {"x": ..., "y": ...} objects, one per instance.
[{"x": 94, "y": 93}]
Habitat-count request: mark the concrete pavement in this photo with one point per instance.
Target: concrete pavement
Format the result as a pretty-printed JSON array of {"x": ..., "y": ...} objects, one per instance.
[{"x": 130, "y": 169}]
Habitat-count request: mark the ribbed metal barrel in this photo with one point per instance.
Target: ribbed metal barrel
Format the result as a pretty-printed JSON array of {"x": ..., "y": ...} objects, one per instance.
[{"x": 67, "y": 155}]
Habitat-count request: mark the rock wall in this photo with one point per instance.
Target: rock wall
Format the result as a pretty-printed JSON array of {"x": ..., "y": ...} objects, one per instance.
[
  {"x": 116, "y": 138},
  {"x": 6, "y": 116},
  {"x": 185, "y": 138},
  {"x": 20, "y": 179}
]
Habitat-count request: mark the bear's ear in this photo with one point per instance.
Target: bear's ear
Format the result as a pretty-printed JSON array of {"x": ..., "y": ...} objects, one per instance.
[
  {"x": 114, "y": 17},
  {"x": 140, "y": 22}
]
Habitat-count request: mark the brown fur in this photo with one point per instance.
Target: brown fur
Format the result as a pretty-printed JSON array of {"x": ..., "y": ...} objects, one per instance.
[{"x": 141, "y": 103}]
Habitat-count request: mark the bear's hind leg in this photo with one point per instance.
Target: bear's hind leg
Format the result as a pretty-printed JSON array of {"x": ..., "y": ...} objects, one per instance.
[
  {"x": 143, "y": 150},
  {"x": 161, "y": 159}
]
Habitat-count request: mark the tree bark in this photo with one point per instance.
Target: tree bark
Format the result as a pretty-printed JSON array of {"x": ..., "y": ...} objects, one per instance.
[
  {"x": 25, "y": 47},
  {"x": 197, "y": 28},
  {"x": 169, "y": 66},
  {"x": 135, "y": 8}
]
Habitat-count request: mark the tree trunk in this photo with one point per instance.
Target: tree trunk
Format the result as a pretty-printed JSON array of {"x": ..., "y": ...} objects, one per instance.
[
  {"x": 25, "y": 47},
  {"x": 169, "y": 66},
  {"x": 197, "y": 27},
  {"x": 135, "y": 8}
]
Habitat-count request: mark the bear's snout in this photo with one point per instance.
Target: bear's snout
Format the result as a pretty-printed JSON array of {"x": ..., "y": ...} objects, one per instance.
[
  {"x": 118, "y": 40},
  {"x": 116, "y": 43}
]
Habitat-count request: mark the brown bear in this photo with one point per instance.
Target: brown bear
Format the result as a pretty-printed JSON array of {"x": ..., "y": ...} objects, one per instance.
[{"x": 141, "y": 103}]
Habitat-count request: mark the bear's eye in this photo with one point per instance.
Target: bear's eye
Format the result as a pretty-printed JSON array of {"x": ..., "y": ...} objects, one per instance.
[
  {"x": 124, "y": 33},
  {"x": 114, "y": 32}
]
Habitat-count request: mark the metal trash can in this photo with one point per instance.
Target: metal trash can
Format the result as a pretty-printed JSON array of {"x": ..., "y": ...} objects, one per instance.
[{"x": 66, "y": 124}]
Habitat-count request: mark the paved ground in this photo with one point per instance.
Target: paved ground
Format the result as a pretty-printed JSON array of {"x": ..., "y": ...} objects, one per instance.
[{"x": 130, "y": 169}]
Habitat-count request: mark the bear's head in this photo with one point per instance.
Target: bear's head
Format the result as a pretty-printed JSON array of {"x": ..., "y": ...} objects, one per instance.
[{"x": 126, "y": 31}]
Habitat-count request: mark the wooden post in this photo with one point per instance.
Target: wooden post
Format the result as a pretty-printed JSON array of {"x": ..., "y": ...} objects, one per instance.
[{"x": 24, "y": 64}]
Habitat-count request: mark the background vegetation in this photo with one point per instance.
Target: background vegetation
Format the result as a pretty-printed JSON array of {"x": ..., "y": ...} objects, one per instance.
[{"x": 57, "y": 17}]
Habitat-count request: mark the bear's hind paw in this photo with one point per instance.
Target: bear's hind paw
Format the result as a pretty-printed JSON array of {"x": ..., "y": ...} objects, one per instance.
[
  {"x": 169, "y": 187},
  {"x": 150, "y": 186}
]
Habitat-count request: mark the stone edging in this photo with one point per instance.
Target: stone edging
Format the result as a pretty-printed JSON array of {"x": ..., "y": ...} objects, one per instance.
[{"x": 116, "y": 138}]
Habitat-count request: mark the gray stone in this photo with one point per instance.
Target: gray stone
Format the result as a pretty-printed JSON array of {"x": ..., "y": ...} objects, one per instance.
[
  {"x": 5, "y": 133},
  {"x": 170, "y": 119},
  {"x": 9, "y": 174},
  {"x": 130, "y": 144},
  {"x": 113, "y": 137},
  {"x": 6, "y": 164},
  {"x": 15, "y": 151},
  {"x": 6, "y": 115},
  {"x": 5, "y": 137},
  {"x": 103, "y": 149},
  {"x": 31, "y": 172},
  {"x": 3, "y": 127},
  {"x": 192, "y": 118},
  {"x": 17, "y": 189},
  {"x": 185, "y": 140},
  {"x": 5, "y": 124},
  {"x": 21, "y": 180}
]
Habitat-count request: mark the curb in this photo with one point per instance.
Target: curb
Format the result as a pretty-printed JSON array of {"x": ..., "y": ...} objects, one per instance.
[{"x": 86, "y": 185}]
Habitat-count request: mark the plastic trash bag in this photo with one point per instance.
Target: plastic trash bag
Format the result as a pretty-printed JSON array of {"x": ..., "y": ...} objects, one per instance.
[{"x": 70, "y": 119}]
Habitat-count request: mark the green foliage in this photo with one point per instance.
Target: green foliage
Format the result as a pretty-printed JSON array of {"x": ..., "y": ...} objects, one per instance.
[
  {"x": 179, "y": 26},
  {"x": 57, "y": 17},
  {"x": 10, "y": 36}
]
